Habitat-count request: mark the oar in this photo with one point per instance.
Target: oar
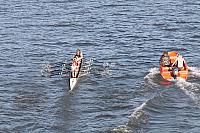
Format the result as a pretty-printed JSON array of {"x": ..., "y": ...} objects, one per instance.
[
  {"x": 60, "y": 68},
  {"x": 55, "y": 73},
  {"x": 66, "y": 69},
  {"x": 57, "y": 64},
  {"x": 60, "y": 65},
  {"x": 49, "y": 68},
  {"x": 60, "y": 72}
]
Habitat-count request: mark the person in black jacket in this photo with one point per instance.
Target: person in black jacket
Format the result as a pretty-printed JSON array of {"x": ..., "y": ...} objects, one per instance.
[{"x": 165, "y": 60}]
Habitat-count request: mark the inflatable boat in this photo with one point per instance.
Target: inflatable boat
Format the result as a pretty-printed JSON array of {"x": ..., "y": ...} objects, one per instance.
[{"x": 173, "y": 72}]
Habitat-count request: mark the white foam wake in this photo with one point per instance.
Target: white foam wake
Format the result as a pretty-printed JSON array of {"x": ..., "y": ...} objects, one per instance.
[
  {"x": 106, "y": 71},
  {"x": 190, "y": 89},
  {"x": 137, "y": 111},
  {"x": 195, "y": 71},
  {"x": 151, "y": 75},
  {"x": 135, "y": 118}
]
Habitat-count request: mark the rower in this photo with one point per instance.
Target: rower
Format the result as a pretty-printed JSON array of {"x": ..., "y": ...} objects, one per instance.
[
  {"x": 78, "y": 55},
  {"x": 76, "y": 62},
  {"x": 74, "y": 68}
]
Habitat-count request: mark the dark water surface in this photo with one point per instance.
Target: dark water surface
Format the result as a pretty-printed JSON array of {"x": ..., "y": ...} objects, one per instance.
[{"x": 124, "y": 91}]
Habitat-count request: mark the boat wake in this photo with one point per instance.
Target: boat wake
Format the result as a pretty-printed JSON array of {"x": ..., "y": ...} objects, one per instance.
[
  {"x": 140, "y": 116},
  {"x": 194, "y": 71},
  {"x": 136, "y": 118},
  {"x": 152, "y": 73},
  {"x": 153, "y": 76},
  {"x": 190, "y": 89}
]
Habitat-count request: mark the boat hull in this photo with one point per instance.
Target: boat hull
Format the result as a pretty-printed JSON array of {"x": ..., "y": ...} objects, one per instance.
[{"x": 73, "y": 80}]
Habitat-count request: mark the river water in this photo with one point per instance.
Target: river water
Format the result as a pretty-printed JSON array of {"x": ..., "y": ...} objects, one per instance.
[{"x": 123, "y": 91}]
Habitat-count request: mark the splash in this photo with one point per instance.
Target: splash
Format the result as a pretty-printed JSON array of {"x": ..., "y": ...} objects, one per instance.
[
  {"x": 152, "y": 73},
  {"x": 150, "y": 77},
  {"x": 195, "y": 71},
  {"x": 104, "y": 69}
]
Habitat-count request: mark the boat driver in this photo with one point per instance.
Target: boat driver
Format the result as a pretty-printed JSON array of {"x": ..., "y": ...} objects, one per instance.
[{"x": 165, "y": 60}]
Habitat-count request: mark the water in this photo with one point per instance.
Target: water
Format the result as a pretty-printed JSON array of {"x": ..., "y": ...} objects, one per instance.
[{"x": 124, "y": 91}]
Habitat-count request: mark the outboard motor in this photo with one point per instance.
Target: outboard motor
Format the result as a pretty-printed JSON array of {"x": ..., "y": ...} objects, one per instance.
[{"x": 175, "y": 72}]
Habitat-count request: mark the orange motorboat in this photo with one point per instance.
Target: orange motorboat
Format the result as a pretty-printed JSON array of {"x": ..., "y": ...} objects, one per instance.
[{"x": 174, "y": 70}]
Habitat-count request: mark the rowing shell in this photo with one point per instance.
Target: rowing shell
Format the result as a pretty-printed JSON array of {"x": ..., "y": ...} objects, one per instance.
[{"x": 73, "y": 80}]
